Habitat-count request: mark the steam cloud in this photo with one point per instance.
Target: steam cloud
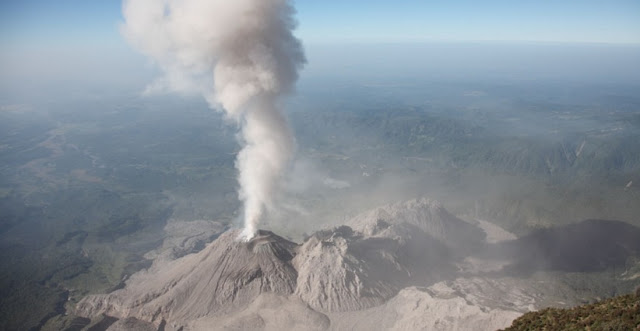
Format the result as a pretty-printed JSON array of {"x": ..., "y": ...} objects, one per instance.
[{"x": 239, "y": 54}]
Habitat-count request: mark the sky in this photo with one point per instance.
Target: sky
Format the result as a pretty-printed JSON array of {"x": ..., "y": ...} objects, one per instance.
[
  {"x": 614, "y": 21},
  {"x": 64, "y": 40},
  {"x": 90, "y": 22}
]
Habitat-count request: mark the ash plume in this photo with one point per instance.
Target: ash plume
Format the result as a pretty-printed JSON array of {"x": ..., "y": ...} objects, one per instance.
[{"x": 241, "y": 55}]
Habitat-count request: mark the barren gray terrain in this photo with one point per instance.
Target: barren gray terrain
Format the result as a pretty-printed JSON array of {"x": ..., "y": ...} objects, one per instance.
[
  {"x": 403, "y": 266},
  {"x": 536, "y": 169}
]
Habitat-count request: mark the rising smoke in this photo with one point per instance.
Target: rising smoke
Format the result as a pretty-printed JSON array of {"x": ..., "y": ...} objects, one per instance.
[{"x": 238, "y": 54}]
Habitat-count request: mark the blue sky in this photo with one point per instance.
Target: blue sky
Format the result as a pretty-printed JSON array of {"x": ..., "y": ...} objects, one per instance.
[
  {"x": 80, "y": 22},
  {"x": 67, "y": 22},
  {"x": 614, "y": 21},
  {"x": 58, "y": 43}
]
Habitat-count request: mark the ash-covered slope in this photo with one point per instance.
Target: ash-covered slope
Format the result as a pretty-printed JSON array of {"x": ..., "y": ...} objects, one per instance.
[
  {"x": 339, "y": 270},
  {"x": 425, "y": 215},
  {"x": 369, "y": 260},
  {"x": 432, "y": 308},
  {"x": 224, "y": 277},
  {"x": 372, "y": 264}
]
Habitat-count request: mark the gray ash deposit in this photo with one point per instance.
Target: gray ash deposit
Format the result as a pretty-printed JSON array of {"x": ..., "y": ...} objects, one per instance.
[
  {"x": 225, "y": 276},
  {"x": 405, "y": 265}
]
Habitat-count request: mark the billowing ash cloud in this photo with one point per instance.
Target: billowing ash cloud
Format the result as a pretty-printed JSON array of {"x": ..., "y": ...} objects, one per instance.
[{"x": 240, "y": 54}]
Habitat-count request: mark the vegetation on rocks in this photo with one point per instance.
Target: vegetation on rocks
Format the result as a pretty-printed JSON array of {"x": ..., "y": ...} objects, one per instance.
[{"x": 619, "y": 313}]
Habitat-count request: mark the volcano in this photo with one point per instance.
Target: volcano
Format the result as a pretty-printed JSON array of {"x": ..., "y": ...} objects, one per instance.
[
  {"x": 226, "y": 275},
  {"x": 397, "y": 267}
]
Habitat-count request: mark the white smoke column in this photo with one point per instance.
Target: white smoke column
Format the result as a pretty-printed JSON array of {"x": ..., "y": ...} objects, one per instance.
[{"x": 240, "y": 54}]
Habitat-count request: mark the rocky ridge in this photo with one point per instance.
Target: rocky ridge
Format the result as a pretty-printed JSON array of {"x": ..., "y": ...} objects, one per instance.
[{"x": 392, "y": 257}]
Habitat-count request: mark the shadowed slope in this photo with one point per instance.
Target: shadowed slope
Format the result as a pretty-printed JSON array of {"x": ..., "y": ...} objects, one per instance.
[{"x": 591, "y": 245}]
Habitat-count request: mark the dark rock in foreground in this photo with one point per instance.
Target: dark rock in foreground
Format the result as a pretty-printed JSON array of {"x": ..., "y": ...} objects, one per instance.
[{"x": 619, "y": 313}]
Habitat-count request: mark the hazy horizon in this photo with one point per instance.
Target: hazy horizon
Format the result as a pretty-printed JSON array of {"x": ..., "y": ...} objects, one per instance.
[{"x": 522, "y": 119}]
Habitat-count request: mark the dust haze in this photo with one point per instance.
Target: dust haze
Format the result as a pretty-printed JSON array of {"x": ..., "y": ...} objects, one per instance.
[{"x": 486, "y": 179}]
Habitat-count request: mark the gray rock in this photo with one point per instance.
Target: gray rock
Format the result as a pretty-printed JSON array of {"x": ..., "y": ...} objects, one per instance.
[
  {"x": 337, "y": 278},
  {"x": 132, "y": 324},
  {"x": 225, "y": 276}
]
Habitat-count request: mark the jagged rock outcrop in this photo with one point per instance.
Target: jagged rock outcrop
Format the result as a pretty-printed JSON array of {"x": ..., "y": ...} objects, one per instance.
[
  {"x": 379, "y": 252},
  {"x": 339, "y": 270}
]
